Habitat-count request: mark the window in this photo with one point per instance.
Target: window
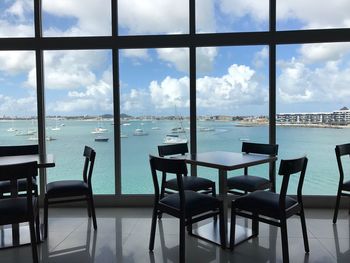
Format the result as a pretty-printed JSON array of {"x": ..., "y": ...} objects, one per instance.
[
  {"x": 154, "y": 109},
  {"x": 153, "y": 17},
  {"x": 312, "y": 102},
  {"x": 79, "y": 107},
  {"x": 223, "y": 16},
  {"x": 17, "y": 18},
  {"x": 72, "y": 18},
  {"x": 18, "y": 104}
]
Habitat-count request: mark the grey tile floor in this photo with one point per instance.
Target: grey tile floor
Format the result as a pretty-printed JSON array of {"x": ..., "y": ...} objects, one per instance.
[{"x": 123, "y": 235}]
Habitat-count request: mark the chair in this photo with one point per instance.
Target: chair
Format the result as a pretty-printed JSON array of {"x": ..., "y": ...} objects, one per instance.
[
  {"x": 187, "y": 205},
  {"x": 18, "y": 209},
  {"x": 250, "y": 183},
  {"x": 5, "y": 186},
  {"x": 344, "y": 186},
  {"x": 193, "y": 183},
  {"x": 73, "y": 190},
  {"x": 272, "y": 208}
]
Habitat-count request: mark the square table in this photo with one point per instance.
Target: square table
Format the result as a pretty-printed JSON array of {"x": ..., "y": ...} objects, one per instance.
[
  {"x": 225, "y": 161},
  {"x": 20, "y": 236}
]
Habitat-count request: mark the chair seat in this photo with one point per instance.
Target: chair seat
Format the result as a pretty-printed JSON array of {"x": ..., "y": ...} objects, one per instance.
[
  {"x": 263, "y": 202},
  {"x": 14, "y": 209},
  {"x": 67, "y": 188},
  {"x": 190, "y": 183},
  {"x": 346, "y": 186},
  {"x": 248, "y": 183},
  {"x": 195, "y": 203},
  {"x": 5, "y": 186}
]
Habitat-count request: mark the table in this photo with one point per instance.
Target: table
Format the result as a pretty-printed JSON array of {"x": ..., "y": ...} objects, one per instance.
[
  {"x": 225, "y": 161},
  {"x": 20, "y": 235}
]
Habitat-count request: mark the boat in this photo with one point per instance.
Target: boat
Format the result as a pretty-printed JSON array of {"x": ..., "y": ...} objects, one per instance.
[
  {"x": 99, "y": 130},
  {"x": 244, "y": 139},
  {"x": 11, "y": 130},
  {"x": 173, "y": 138},
  {"x": 23, "y": 133},
  {"x": 206, "y": 129},
  {"x": 178, "y": 130},
  {"x": 155, "y": 128},
  {"x": 56, "y": 128},
  {"x": 48, "y": 138},
  {"x": 123, "y": 135},
  {"x": 101, "y": 139},
  {"x": 140, "y": 132}
]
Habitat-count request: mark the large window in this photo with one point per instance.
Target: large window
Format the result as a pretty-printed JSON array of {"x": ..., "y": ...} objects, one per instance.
[
  {"x": 79, "y": 107},
  {"x": 18, "y": 107},
  {"x": 312, "y": 108},
  {"x": 154, "y": 109}
]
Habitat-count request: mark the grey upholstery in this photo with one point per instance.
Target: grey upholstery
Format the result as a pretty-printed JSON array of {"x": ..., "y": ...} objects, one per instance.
[
  {"x": 190, "y": 183},
  {"x": 67, "y": 188},
  {"x": 249, "y": 183}
]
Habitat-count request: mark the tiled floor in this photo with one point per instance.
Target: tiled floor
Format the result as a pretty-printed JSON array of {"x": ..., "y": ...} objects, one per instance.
[{"x": 123, "y": 235}]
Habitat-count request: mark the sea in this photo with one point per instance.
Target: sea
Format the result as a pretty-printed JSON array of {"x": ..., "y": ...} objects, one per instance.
[{"x": 66, "y": 140}]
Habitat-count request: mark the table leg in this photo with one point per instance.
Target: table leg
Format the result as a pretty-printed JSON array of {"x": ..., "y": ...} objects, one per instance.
[{"x": 223, "y": 191}]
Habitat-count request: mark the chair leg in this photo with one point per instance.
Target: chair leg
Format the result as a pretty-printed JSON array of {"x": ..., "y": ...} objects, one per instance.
[
  {"x": 153, "y": 228},
  {"x": 37, "y": 227},
  {"x": 162, "y": 193},
  {"x": 46, "y": 211},
  {"x": 88, "y": 207},
  {"x": 93, "y": 213},
  {"x": 189, "y": 226},
  {"x": 303, "y": 226},
  {"x": 255, "y": 225},
  {"x": 222, "y": 226},
  {"x": 233, "y": 226},
  {"x": 213, "y": 193},
  {"x": 182, "y": 239},
  {"x": 335, "y": 216},
  {"x": 33, "y": 241},
  {"x": 284, "y": 235}
]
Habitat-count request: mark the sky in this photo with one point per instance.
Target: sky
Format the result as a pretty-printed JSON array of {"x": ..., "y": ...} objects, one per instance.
[{"x": 230, "y": 80}]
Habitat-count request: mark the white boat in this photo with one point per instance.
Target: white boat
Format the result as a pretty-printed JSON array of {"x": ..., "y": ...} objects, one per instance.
[
  {"x": 99, "y": 130},
  {"x": 173, "y": 138},
  {"x": 140, "y": 132},
  {"x": 155, "y": 128},
  {"x": 178, "y": 130},
  {"x": 48, "y": 138},
  {"x": 206, "y": 129},
  {"x": 244, "y": 139},
  {"x": 123, "y": 135},
  {"x": 56, "y": 128},
  {"x": 11, "y": 130}
]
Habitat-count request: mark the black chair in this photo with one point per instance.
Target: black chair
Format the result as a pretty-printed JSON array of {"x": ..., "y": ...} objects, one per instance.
[
  {"x": 239, "y": 185},
  {"x": 344, "y": 186},
  {"x": 272, "y": 208},
  {"x": 18, "y": 209},
  {"x": 5, "y": 186},
  {"x": 73, "y": 190},
  {"x": 187, "y": 205},
  {"x": 194, "y": 183}
]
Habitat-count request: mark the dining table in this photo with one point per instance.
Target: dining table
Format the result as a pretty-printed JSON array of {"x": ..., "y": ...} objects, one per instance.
[
  {"x": 18, "y": 235},
  {"x": 225, "y": 161}
]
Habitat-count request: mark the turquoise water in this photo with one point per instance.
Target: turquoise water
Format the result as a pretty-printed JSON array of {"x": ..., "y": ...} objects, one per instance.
[{"x": 316, "y": 143}]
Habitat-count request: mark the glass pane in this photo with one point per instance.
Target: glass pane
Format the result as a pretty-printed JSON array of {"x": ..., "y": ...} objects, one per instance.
[
  {"x": 220, "y": 16},
  {"x": 76, "y": 18},
  {"x": 18, "y": 105},
  {"x": 154, "y": 110},
  {"x": 312, "y": 100},
  {"x": 17, "y": 18},
  {"x": 153, "y": 17},
  {"x": 79, "y": 107},
  {"x": 312, "y": 14},
  {"x": 232, "y": 101}
]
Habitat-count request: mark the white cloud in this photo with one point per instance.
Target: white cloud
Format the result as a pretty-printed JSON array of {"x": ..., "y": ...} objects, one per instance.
[
  {"x": 11, "y": 106},
  {"x": 93, "y": 17},
  {"x": 312, "y": 53},
  {"x": 170, "y": 92},
  {"x": 153, "y": 16},
  {"x": 135, "y": 101},
  {"x": 261, "y": 57},
  {"x": 16, "y": 62},
  {"x": 326, "y": 83}
]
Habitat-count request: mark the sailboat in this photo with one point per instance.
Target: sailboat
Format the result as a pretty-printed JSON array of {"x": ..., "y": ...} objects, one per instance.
[
  {"x": 56, "y": 128},
  {"x": 99, "y": 129},
  {"x": 11, "y": 129}
]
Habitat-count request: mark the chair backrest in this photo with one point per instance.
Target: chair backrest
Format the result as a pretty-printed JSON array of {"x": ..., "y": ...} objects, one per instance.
[
  {"x": 341, "y": 150},
  {"x": 14, "y": 172},
  {"x": 288, "y": 168},
  {"x": 19, "y": 150},
  {"x": 260, "y": 148},
  {"x": 89, "y": 155},
  {"x": 172, "y": 166},
  {"x": 172, "y": 149}
]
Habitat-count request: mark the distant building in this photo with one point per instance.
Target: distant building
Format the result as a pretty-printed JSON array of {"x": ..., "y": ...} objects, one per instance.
[{"x": 338, "y": 117}]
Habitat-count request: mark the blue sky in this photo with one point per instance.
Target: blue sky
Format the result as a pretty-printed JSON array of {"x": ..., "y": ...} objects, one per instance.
[{"x": 230, "y": 80}]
